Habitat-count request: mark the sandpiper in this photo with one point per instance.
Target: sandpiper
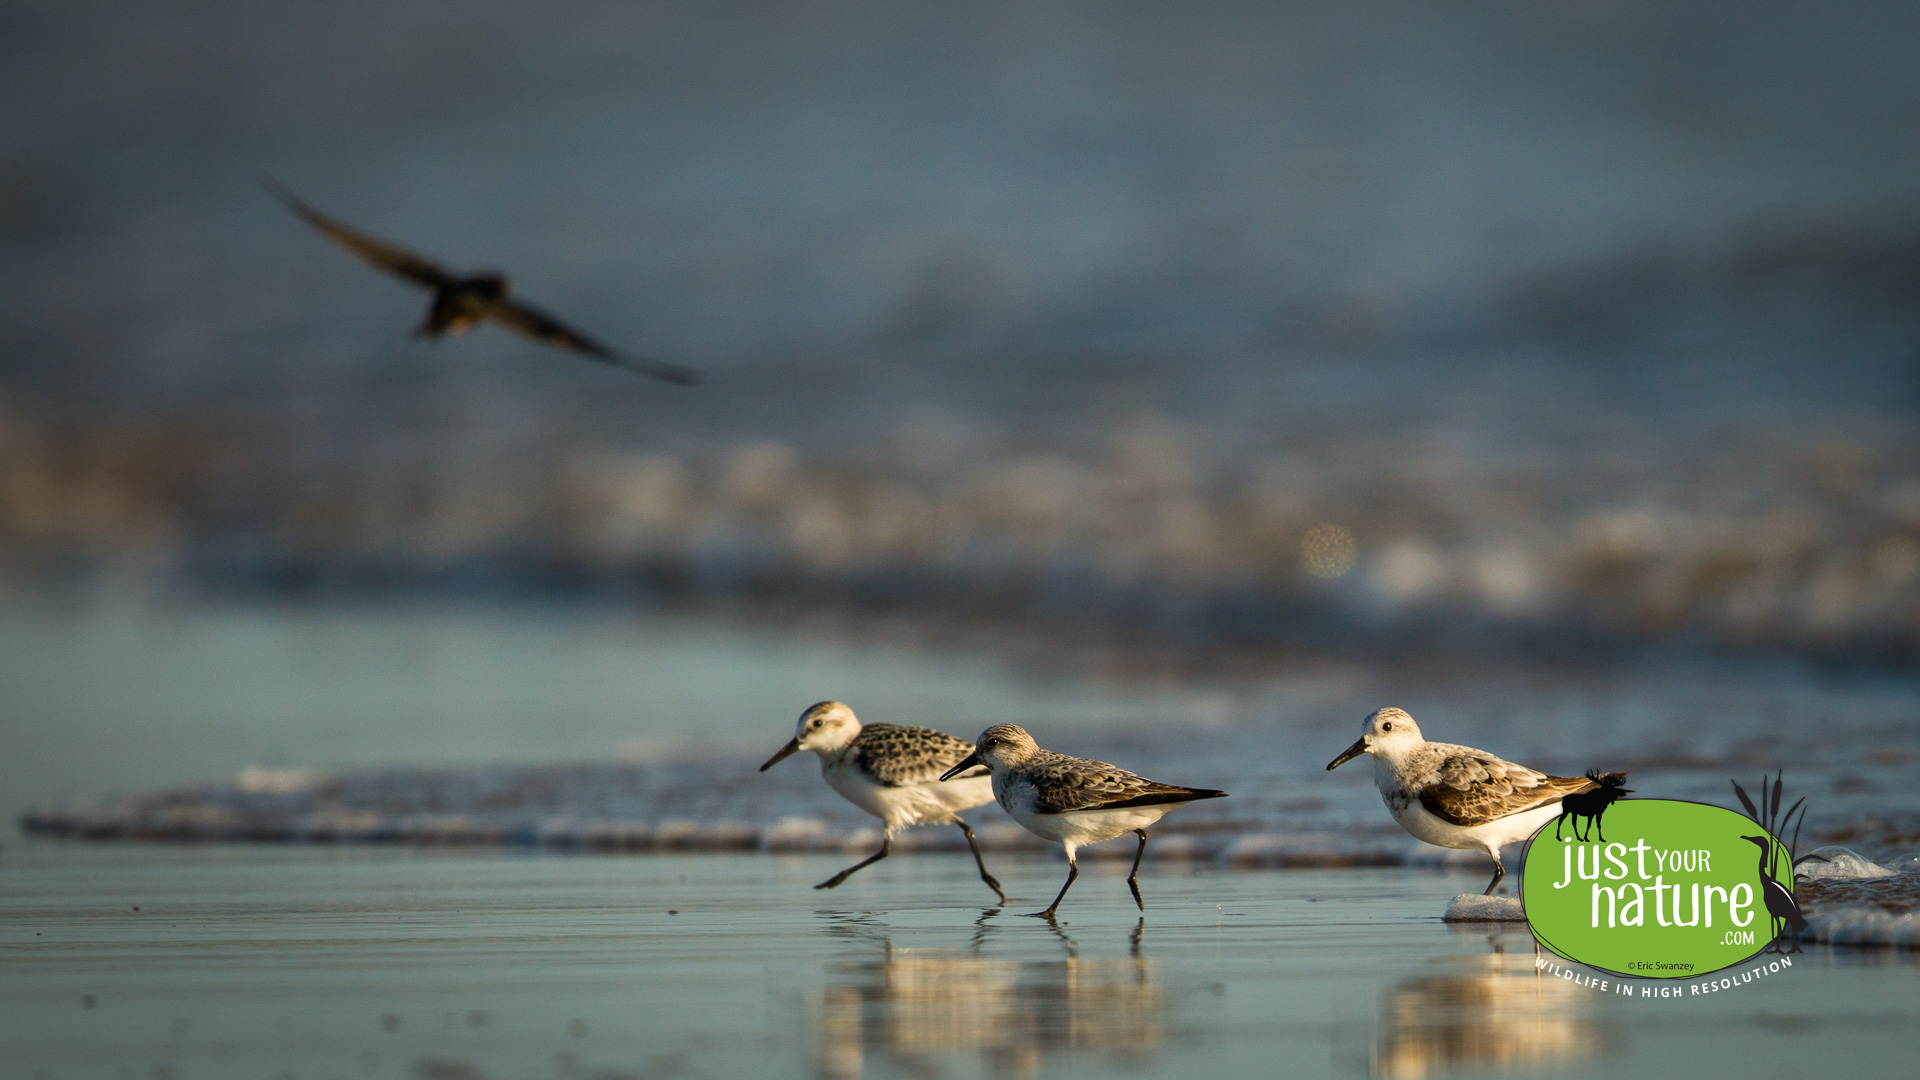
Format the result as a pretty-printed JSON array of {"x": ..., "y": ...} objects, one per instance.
[
  {"x": 892, "y": 772},
  {"x": 1456, "y": 796},
  {"x": 462, "y": 302},
  {"x": 1072, "y": 800}
]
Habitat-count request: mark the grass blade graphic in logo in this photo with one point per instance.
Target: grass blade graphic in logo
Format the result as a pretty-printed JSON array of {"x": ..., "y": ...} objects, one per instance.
[{"x": 1679, "y": 889}]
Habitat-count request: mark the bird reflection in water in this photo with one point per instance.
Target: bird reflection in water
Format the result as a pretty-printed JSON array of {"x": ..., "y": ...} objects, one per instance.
[
  {"x": 911, "y": 1005},
  {"x": 1492, "y": 1010}
]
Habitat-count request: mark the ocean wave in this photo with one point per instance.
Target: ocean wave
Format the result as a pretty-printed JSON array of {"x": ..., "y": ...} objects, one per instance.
[{"x": 723, "y": 804}]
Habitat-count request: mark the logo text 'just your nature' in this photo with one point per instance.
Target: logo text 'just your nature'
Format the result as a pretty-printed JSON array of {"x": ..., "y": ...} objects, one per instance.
[
  {"x": 1680, "y": 889},
  {"x": 1627, "y": 904}
]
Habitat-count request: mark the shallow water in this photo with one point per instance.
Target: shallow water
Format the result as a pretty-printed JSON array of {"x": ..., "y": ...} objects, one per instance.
[
  {"x": 302, "y": 962},
  {"x": 118, "y": 694}
]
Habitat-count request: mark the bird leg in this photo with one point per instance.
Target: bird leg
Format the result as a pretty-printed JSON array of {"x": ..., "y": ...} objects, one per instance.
[
  {"x": 974, "y": 843},
  {"x": 1499, "y": 871},
  {"x": 886, "y": 848},
  {"x": 1073, "y": 871},
  {"x": 1133, "y": 879}
]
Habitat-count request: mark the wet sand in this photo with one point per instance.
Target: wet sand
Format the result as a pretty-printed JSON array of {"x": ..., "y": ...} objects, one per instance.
[{"x": 322, "y": 962}]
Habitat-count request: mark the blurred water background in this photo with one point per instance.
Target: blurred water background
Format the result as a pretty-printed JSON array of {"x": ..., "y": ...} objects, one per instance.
[{"x": 1565, "y": 324}]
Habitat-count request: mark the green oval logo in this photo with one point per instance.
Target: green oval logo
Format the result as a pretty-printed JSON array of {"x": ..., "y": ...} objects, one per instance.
[{"x": 1677, "y": 889}]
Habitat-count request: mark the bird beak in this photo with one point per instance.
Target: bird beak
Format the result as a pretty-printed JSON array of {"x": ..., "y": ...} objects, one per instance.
[
  {"x": 966, "y": 763},
  {"x": 793, "y": 744},
  {"x": 1359, "y": 747}
]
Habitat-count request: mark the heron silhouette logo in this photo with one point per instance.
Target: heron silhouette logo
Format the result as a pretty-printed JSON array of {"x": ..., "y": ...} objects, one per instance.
[{"x": 1672, "y": 890}]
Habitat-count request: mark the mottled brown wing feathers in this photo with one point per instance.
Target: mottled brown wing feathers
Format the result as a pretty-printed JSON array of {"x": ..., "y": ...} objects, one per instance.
[
  {"x": 899, "y": 756},
  {"x": 1164, "y": 793},
  {"x": 1065, "y": 784},
  {"x": 1473, "y": 788}
]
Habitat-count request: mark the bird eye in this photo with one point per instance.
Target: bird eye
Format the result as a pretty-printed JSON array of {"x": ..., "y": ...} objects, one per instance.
[{"x": 1388, "y": 726}]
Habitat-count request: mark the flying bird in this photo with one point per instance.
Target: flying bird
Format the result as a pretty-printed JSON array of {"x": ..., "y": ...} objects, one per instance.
[
  {"x": 463, "y": 301},
  {"x": 1458, "y": 797},
  {"x": 1072, "y": 801}
]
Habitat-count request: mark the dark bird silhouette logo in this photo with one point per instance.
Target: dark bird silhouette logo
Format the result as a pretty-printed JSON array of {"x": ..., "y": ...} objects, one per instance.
[
  {"x": 1782, "y": 908},
  {"x": 463, "y": 301},
  {"x": 1592, "y": 803}
]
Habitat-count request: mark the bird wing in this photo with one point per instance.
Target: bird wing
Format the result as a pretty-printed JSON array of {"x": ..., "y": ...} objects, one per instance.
[
  {"x": 395, "y": 260},
  {"x": 1065, "y": 784},
  {"x": 901, "y": 756},
  {"x": 1472, "y": 787},
  {"x": 529, "y": 321}
]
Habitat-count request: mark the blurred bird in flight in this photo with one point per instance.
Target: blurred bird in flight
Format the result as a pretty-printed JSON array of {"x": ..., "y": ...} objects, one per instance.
[{"x": 461, "y": 302}]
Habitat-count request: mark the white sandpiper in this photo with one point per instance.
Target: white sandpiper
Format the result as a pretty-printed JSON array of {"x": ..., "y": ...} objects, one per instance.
[
  {"x": 1073, "y": 800},
  {"x": 892, "y": 772},
  {"x": 1456, "y": 796}
]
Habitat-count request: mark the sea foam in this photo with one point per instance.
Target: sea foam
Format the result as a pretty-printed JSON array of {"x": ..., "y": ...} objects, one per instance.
[
  {"x": 1473, "y": 907},
  {"x": 1836, "y": 863}
]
